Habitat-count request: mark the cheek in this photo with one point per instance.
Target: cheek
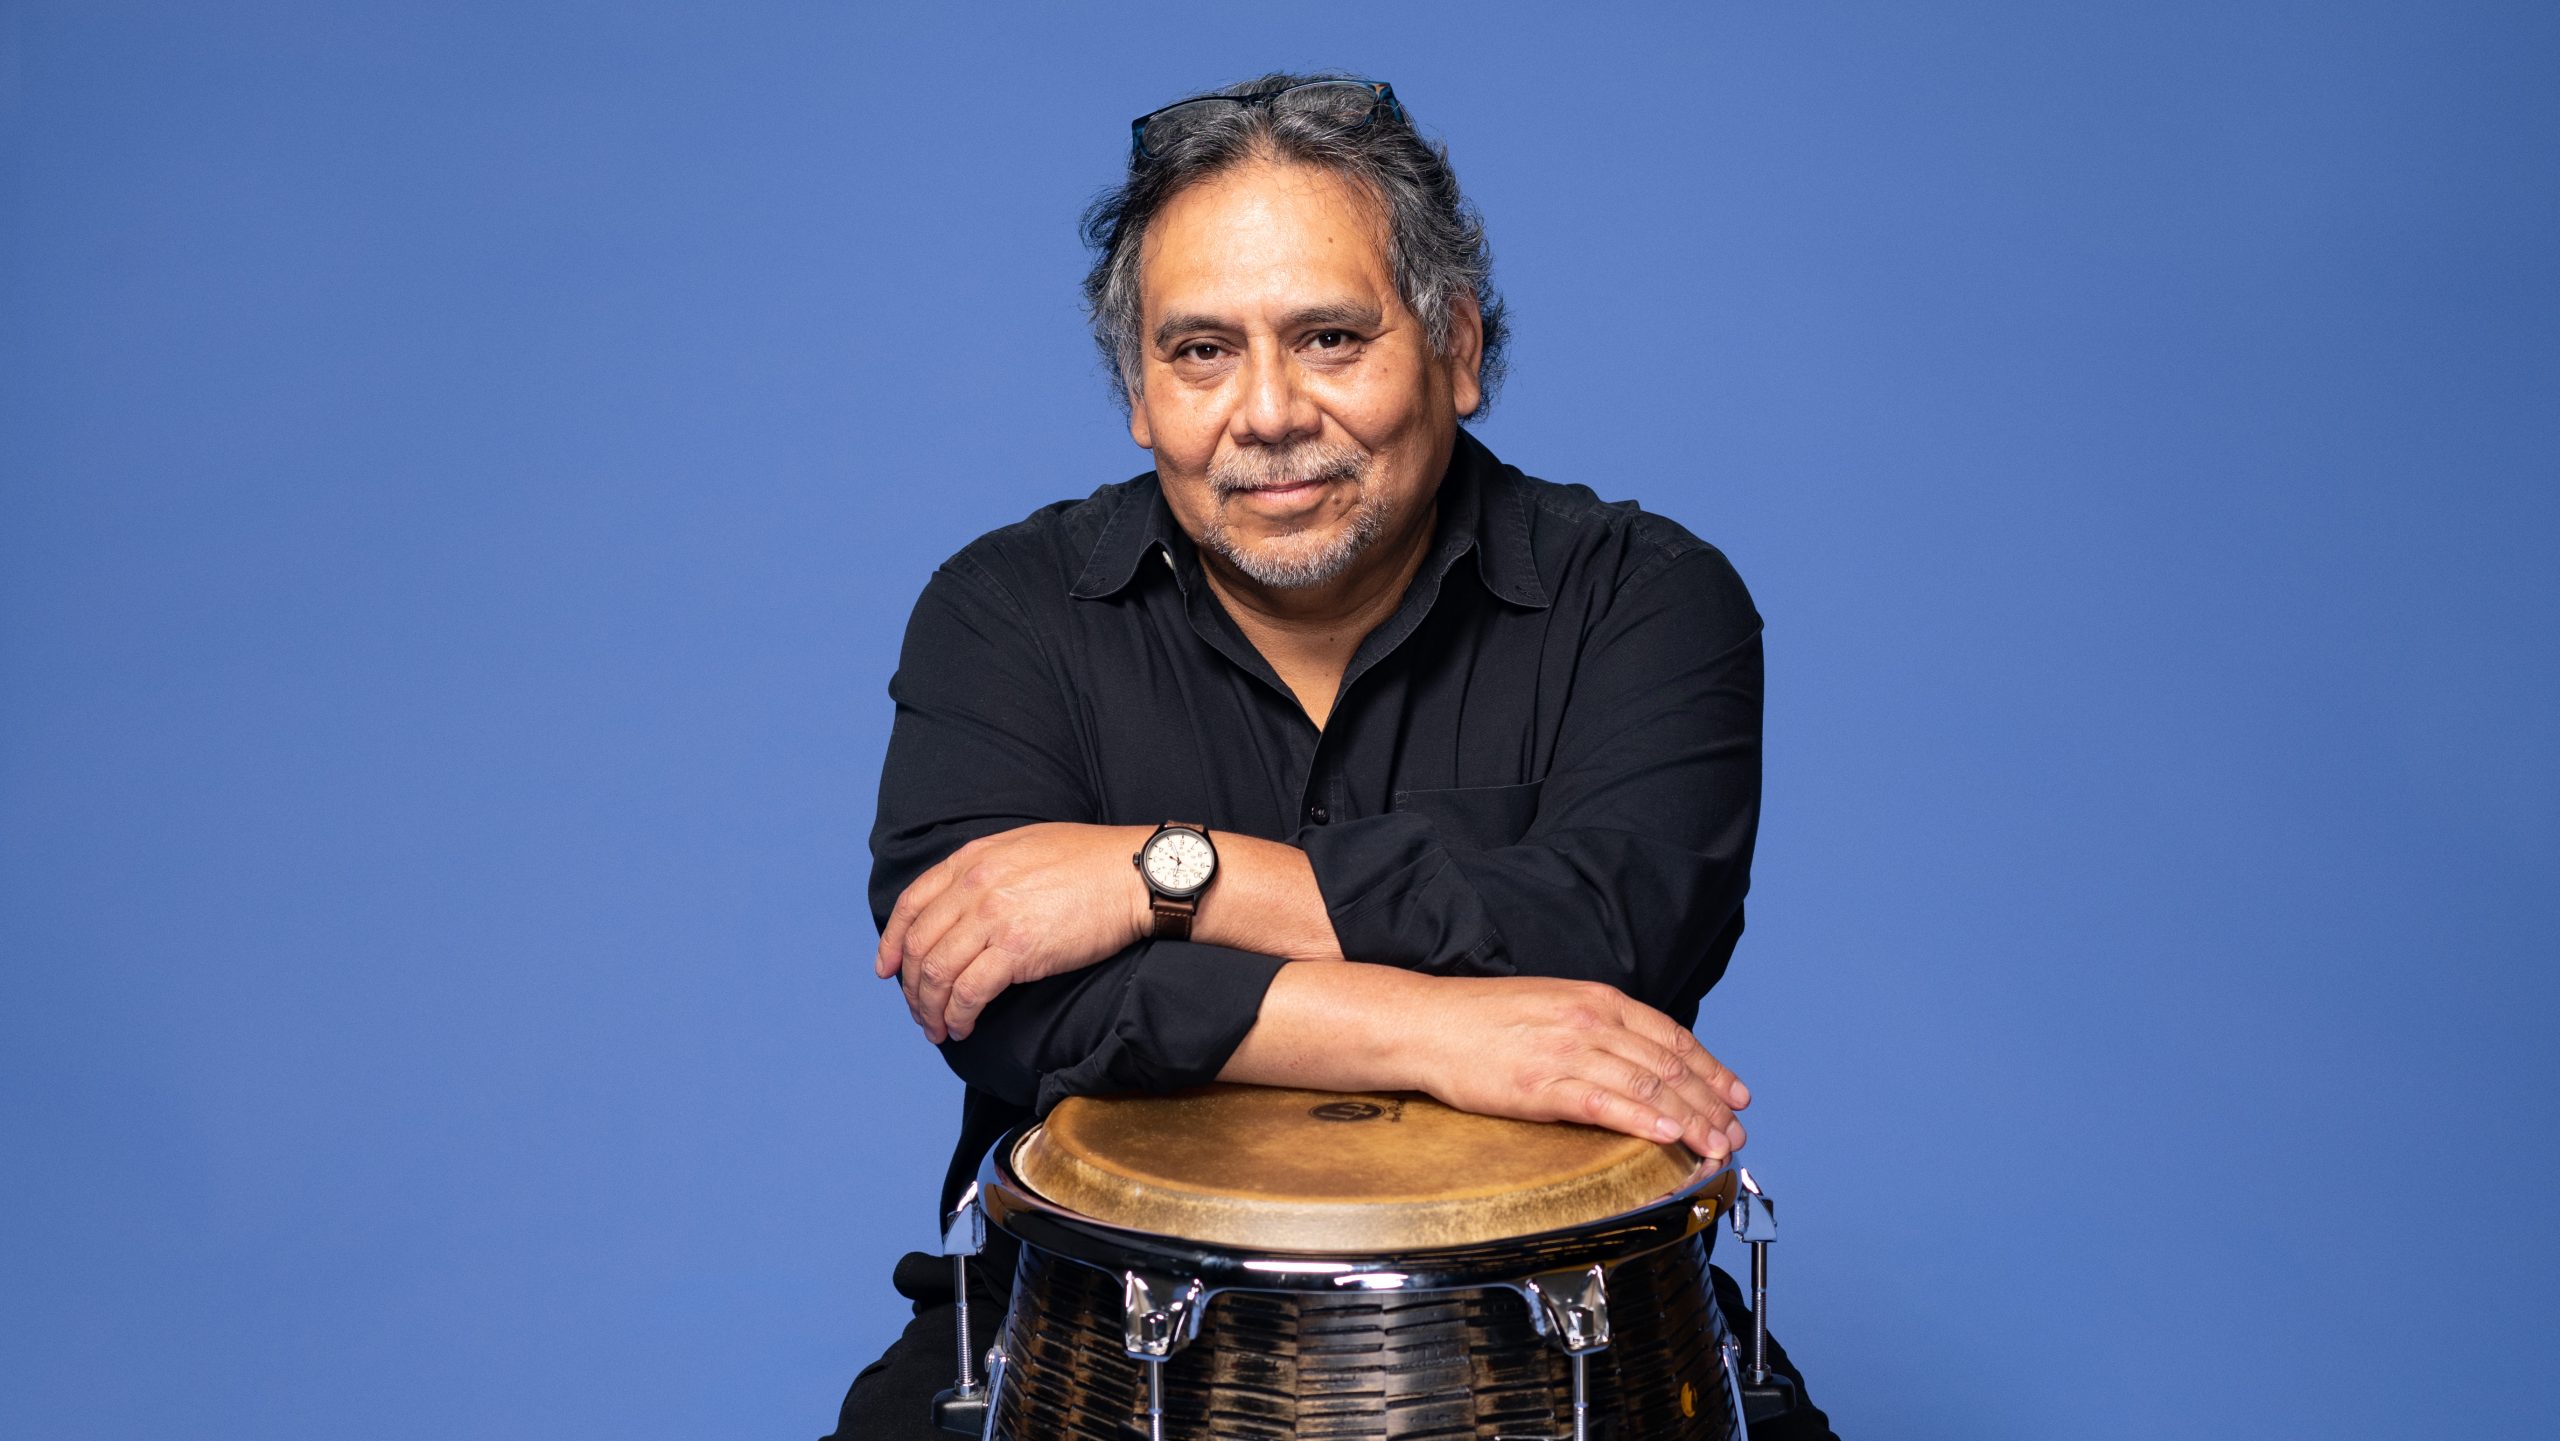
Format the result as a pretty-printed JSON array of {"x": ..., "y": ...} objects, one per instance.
[{"x": 1183, "y": 425}]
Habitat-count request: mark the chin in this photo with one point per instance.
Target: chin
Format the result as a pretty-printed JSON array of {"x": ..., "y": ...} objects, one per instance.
[{"x": 1301, "y": 563}]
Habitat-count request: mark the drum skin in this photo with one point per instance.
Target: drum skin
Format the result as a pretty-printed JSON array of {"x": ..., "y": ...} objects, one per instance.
[
  {"x": 1269, "y": 1168},
  {"x": 1304, "y": 1173}
]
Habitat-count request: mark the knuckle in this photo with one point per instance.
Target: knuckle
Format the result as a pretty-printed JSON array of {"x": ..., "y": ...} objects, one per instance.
[{"x": 1556, "y": 1045}]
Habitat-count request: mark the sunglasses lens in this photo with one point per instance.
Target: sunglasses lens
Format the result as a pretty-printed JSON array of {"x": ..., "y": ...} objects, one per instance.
[
  {"x": 1342, "y": 102},
  {"x": 1166, "y": 127},
  {"x": 1345, "y": 100}
]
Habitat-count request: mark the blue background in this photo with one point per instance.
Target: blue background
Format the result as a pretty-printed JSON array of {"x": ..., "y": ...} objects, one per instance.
[{"x": 464, "y": 468}]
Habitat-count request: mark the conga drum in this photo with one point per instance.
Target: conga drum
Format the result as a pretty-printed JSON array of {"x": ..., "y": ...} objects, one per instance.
[{"x": 1252, "y": 1262}]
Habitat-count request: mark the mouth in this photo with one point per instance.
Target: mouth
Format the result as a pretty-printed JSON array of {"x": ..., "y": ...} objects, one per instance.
[{"x": 1285, "y": 496}]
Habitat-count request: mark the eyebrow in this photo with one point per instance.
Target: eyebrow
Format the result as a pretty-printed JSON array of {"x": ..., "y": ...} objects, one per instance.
[{"x": 1348, "y": 314}]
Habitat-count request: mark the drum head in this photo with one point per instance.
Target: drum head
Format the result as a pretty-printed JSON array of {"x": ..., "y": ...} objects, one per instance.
[{"x": 1272, "y": 1169}]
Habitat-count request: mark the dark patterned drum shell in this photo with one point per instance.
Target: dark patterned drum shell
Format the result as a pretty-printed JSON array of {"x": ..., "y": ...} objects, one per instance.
[{"x": 1446, "y": 1365}]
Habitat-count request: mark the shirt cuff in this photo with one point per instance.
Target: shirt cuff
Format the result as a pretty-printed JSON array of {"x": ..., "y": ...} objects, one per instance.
[
  {"x": 1397, "y": 899},
  {"x": 1183, "y": 1008}
]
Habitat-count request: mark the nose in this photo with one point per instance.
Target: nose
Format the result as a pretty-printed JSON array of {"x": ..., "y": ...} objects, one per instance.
[{"x": 1275, "y": 409}]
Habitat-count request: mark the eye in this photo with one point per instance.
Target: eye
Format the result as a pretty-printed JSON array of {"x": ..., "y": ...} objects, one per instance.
[
  {"x": 1331, "y": 339},
  {"x": 1202, "y": 351}
]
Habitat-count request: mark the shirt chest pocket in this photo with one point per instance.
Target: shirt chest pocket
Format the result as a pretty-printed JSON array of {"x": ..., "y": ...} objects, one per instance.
[{"x": 1479, "y": 817}]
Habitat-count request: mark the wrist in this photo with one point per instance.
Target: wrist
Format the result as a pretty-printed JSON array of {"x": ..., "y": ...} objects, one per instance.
[
  {"x": 1129, "y": 883},
  {"x": 1402, "y": 1034},
  {"x": 1414, "y": 1050},
  {"x": 1177, "y": 865}
]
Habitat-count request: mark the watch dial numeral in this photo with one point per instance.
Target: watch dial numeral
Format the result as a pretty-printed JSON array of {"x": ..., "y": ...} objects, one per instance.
[{"x": 1179, "y": 860}]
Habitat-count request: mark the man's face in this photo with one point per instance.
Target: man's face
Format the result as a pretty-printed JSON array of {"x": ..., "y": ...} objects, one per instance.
[{"x": 1297, "y": 411}]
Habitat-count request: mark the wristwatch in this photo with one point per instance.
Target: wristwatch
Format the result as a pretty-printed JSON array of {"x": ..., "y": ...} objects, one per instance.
[{"x": 1177, "y": 863}]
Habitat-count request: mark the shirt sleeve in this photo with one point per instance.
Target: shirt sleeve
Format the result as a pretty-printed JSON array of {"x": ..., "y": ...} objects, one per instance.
[
  {"x": 984, "y": 742},
  {"x": 1634, "y": 862}
]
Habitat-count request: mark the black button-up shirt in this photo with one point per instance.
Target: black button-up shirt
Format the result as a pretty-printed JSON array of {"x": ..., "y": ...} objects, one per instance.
[{"x": 1546, "y": 762}]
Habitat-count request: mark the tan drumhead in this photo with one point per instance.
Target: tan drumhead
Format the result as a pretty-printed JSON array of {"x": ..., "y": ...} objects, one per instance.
[{"x": 1262, "y": 1167}]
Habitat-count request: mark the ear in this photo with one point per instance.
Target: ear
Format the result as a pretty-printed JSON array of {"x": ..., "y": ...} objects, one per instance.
[
  {"x": 1465, "y": 357},
  {"x": 1139, "y": 430}
]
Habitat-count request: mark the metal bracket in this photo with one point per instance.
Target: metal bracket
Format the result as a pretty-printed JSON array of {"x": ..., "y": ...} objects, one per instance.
[
  {"x": 965, "y": 1234},
  {"x": 1159, "y": 1314},
  {"x": 1755, "y": 1216},
  {"x": 963, "y": 1408},
  {"x": 1733, "y": 1386},
  {"x": 1571, "y": 1308},
  {"x": 997, "y": 1363},
  {"x": 1755, "y": 1222}
]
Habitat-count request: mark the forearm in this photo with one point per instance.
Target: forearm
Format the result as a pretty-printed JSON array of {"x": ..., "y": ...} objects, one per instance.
[
  {"x": 1526, "y": 1047},
  {"x": 1266, "y": 899},
  {"x": 1335, "y": 1026}
]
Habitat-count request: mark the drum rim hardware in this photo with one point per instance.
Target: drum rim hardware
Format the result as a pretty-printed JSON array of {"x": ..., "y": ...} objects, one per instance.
[
  {"x": 1167, "y": 1282},
  {"x": 1022, "y": 1212}
]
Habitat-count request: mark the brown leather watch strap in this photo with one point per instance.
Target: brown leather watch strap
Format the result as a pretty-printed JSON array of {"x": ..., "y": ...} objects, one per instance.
[{"x": 1173, "y": 917}]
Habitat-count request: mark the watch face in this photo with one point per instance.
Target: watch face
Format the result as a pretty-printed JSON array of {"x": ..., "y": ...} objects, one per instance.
[{"x": 1180, "y": 861}]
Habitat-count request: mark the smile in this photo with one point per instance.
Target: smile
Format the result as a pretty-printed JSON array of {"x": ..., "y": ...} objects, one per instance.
[{"x": 1281, "y": 497}]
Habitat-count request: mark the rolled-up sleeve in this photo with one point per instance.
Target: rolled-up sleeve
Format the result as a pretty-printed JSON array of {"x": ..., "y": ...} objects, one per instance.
[
  {"x": 984, "y": 742},
  {"x": 1638, "y": 839}
]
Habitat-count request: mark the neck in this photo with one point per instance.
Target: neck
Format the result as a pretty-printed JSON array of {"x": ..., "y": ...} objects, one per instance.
[
  {"x": 1309, "y": 635},
  {"x": 1360, "y": 597}
]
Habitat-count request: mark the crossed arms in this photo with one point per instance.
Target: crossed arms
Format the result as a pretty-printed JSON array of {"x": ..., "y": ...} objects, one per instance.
[{"x": 1532, "y": 979}]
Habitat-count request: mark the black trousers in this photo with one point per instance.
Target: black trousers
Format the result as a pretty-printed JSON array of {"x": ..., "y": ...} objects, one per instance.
[{"x": 892, "y": 1400}]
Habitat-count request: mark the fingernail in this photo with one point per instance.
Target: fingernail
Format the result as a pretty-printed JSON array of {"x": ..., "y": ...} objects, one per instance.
[
  {"x": 1741, "y": 1094},
  {"x": 1667, "y": 1128}
]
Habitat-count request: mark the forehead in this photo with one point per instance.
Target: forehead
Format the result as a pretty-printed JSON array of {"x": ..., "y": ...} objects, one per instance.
[{"x": 1264, "y": 235}]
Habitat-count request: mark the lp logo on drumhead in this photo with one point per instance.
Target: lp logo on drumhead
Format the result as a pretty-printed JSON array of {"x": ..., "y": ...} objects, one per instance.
[{"x": 1347, "y": 1111}]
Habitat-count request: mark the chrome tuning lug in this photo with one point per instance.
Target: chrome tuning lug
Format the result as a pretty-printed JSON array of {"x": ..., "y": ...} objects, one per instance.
[
  {"x": 963, "y": 1407},
  {"x": 1571, "y": 1308},
  {"x": 1764, "y": 1393},
  {"x": 1159, "y": 1316}
]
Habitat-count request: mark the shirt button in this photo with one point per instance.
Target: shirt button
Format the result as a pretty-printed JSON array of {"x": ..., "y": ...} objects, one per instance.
[{"x": 1317, "y": 815}]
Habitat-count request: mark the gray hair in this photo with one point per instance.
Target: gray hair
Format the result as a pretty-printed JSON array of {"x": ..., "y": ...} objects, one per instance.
[{"x": 1435, "y": 239}]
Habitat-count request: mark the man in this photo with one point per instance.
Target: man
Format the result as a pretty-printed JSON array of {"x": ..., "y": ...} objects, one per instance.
[{"x": 1479, "y": 754}]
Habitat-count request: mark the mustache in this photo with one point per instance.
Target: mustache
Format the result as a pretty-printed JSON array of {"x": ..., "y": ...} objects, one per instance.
[{"x": 1266, "y": 469}]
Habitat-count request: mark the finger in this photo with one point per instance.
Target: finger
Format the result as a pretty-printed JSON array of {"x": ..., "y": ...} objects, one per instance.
[
  {"x": 1711, "y": 1075},
  {"x": 1676, "y": 1090},
  {"x": 977, "y": 984},
  {"x": 902, "y": 917},
  {"x": 1653, "y": 1025},
  {"x": 1594, "y": 1102},
  {"x": 933, "y": 928},
  {"x": 939, "y": 917},
  {"x": 929, "y": 975},
  {"x": 1670, "y": 1087}
]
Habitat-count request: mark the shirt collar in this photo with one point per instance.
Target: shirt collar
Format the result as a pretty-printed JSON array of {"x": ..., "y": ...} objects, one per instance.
[{"x": 1484, "y": 508}]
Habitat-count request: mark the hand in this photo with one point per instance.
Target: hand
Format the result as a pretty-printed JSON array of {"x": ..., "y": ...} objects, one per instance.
[
  {"x": 1549, "y": 1050},
  {"x": 1009, "y": 908}
]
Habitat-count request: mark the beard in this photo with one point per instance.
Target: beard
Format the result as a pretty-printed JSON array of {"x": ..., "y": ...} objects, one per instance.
[{"x": 1305, "y": 559}]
